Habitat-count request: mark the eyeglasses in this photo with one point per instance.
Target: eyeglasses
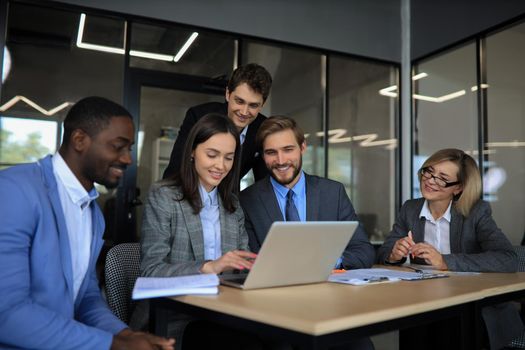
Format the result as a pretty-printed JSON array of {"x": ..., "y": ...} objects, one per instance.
[{"x": 427, "y": 174}]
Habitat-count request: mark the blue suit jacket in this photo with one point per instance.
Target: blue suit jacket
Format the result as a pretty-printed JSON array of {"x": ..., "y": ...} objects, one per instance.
[{"x": 37, "y": 310}]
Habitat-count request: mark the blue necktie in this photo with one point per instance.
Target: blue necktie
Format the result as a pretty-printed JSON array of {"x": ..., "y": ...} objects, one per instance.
[{"x": 291, "y": 211}]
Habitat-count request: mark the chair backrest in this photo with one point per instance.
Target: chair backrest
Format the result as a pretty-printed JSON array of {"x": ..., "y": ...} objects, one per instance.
[
  {"x": 520, "y": 251},
  {"x": 121, "y": 271}
]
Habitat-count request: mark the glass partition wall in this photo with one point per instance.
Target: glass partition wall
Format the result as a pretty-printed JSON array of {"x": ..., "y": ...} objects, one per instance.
[
  {"x": 56, "y": 55},
  {"x": 480, "y": 108}
]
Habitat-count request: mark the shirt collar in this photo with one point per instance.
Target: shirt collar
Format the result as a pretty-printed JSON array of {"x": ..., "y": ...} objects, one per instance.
[
  {"x": 243, "y": 134},
  {"x": 74, "y": 189},
  {"x": 208, "y": 198},
  {"x": 425, "y": 212},
  {"x": 298, "y": 188}
]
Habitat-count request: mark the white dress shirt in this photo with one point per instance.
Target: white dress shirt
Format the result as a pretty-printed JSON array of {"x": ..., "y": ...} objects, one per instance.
[
  {"x": 75, "y": 201},
  {"x": 437, "y": 232}
]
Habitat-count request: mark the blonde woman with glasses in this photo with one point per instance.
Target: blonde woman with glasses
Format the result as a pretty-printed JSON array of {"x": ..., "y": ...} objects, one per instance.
[{"x": 451, "y": 228}]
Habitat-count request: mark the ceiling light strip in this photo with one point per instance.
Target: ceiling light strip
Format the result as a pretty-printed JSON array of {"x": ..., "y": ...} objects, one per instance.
[
  {"x": 19, "y": 98},
  {"x": 186, "y": 46},
  {"x": 154, "y": 56}
]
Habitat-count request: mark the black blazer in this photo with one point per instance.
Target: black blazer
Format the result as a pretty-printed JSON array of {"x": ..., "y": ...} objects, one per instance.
[
  {"x": 476, "y": 242},
  {"x": 251, "y": 158},
  {"x": 326, "y": 200}
]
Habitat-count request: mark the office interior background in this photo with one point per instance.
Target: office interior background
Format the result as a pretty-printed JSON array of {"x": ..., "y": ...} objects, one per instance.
[{"x": 378, "y": 86}]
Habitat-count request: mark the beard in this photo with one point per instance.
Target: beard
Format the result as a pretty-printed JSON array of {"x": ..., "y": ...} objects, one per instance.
[
  {"x": 100, "y": 173},
  {"x": 286, "y": 181}
]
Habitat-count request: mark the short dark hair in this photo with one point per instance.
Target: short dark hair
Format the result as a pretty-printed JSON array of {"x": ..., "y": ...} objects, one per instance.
[
  {"x": 275, "y": 124},
  {"x": 256, "y": 76},
  {"x": 188, "y": 179},
  {"x": 91, "y": 115}
]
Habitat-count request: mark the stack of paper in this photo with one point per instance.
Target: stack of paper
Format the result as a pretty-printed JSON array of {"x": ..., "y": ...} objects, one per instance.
[
  {"x": 367, "y": 276},
  {"x": 153, "y": 287}
]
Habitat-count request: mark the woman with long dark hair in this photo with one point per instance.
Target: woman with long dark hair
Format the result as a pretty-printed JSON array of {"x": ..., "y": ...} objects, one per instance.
[{"x": 193, "y": 222}]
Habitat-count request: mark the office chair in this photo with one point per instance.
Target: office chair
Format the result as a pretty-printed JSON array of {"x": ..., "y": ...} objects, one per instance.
[
  {"x": 121, "y": 271},
  {"x": 519, "y": 342}
]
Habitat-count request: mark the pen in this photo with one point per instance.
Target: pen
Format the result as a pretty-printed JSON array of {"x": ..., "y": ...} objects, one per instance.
[{"x": 410, "y": 236}]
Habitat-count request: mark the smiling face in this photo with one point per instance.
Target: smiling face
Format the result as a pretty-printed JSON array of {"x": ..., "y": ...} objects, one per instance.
[
  {"x": 213, "y": 159},
  {"x": 106, "y": 155},
  {"x": 447, "y": 171},
  {"x": 283, "y": 157},
  {"x": 244, "y": 104}
]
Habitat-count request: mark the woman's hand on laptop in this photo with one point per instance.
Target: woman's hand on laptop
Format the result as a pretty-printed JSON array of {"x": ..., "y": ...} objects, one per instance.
[{"x": 234, "y": 259}]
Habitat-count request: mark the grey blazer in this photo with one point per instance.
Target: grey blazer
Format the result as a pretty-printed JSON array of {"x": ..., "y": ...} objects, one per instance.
[
  {"x": 326, "y": 200},
  {"x": 172, "y": 243},
  {"x": 476, "y": 244}
]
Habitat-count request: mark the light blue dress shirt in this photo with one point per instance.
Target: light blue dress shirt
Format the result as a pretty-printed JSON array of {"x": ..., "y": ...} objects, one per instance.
[
  {"x": 242, "y": 135},
  {"x": 211, "y": 224},
  {"x": 299, "y": 197},
  {"x": 299, "y": 200},
  {"x": 75, "y": 202}
]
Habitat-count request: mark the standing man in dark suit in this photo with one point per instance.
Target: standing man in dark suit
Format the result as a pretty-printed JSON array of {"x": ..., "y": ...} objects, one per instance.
[
  {"x": 312, "y": 198},
  {"x": 246, "y": 93}
]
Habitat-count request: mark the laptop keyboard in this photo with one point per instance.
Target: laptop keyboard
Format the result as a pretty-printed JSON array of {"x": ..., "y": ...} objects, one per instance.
[{"x": 238, "y": 280}]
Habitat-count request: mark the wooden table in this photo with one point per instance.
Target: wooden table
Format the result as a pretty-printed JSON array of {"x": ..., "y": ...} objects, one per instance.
[{"x": 319, "y": 315}]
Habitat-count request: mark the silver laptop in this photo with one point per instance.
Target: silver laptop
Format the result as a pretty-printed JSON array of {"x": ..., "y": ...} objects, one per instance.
[{"x": 296, "y": 253}]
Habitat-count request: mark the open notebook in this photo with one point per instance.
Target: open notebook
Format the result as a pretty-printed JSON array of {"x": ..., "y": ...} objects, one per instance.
[{"x": 296, "y": 253}]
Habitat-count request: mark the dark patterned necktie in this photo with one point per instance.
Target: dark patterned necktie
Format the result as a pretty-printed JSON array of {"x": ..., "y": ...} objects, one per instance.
[{"x": 291, "y": 211}]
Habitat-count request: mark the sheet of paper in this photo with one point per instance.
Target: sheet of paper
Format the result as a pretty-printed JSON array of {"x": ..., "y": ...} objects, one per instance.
[
  {"x": 152, "y": 287},
  {"x": 367, "y": 276}
]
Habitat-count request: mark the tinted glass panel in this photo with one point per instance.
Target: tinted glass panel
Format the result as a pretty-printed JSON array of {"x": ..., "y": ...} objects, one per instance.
[
  {"x": 296, "y": 92},
  {"x": 445, "y": 106},
  {"x": 362, "y": 142},
  {"x": 504, "y": 180}
]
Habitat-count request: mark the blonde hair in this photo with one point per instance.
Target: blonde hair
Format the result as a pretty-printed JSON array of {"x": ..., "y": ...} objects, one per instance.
[{"x": 468, "y": 177}]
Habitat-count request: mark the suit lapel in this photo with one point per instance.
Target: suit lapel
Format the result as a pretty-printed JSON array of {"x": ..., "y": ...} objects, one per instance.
[
  {"x": 194, "y": 227},
  {"x": 313, "y": 196},
  {"x": 418, "y": 229},
  {"x": 456, "y": 222},
  {"x": 269, "y": 202},
  {"x": 63, "y": 238}
]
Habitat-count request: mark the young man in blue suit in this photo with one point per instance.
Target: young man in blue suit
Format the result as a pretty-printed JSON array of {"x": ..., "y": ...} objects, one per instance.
[
  {"x": 292, "y": 195},
  {"x": 51, "y": 234},
  {"x": 315, "y": 199}
]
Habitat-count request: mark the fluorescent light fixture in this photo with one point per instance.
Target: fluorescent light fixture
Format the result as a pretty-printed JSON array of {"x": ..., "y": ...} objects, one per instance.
[
  {"x": 368, "y": 140},
  {"x": 7, "y": 64},
  {"x": 154, "y": 56},
  {"x": 389, "y": 91},
  {"x": 19, "y": 98},
  {"x": 514, "y": 143},
  {"x": 475, "y": 88},
  {"x": 186, "y": 46},
  {"x": 87, "y": 46},
  {"x": 118, "y": 50},
  {"x": 419, "y": 76}
]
